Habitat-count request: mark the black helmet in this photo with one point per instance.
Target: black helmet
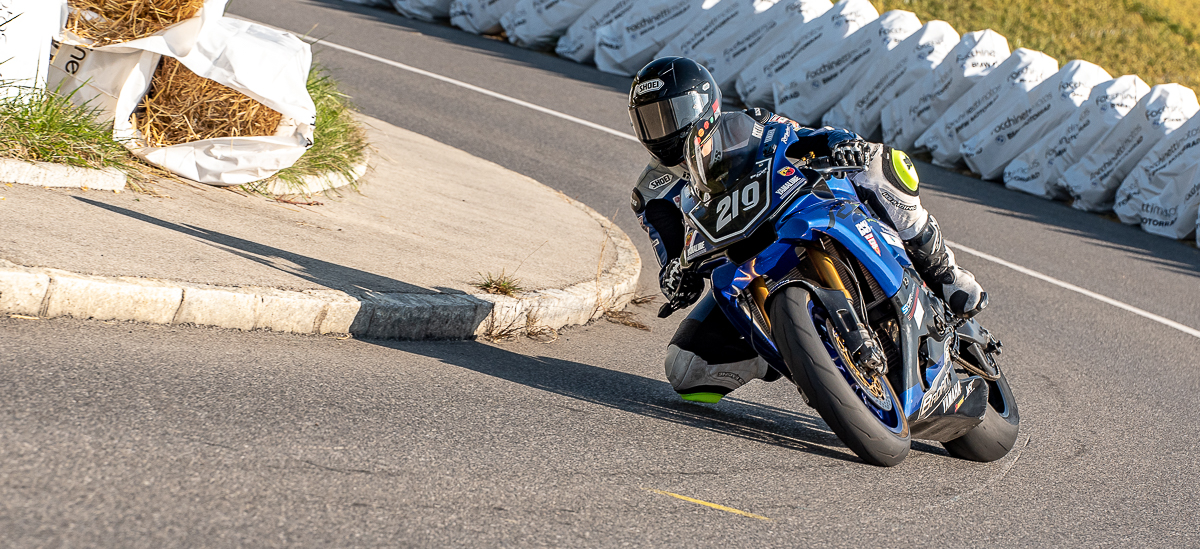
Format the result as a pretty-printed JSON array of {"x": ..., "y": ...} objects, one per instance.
[{"x": 667, "y": 97}]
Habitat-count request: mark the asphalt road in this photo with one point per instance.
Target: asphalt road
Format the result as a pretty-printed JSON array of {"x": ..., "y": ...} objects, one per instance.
[{"x": 116, "y": 434}]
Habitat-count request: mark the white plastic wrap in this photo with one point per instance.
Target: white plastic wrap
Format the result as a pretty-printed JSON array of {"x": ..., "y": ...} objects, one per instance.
[
  {"x": 793, "y": 45},
  {"x": 579, "y": 43},
  {"x": 1043, "y": 110},
  {"x": 27, "y": 28},
  {"x": 806, "y": 91},
  {"x": 624, "y": 46},
  {"x": 1093, "y": 181},
  {"x": 479, "y": 16},
  {"x": 891, "y": 75},
  {"x": 539, "y": 23},
  {"x": 1005, "y": 85},
  {"x": 423, "y": 10},
  {"x": 1162, "y": 193},
  {"x": 1037, "y": 170},
  {"x": 267, "y": 65},
  {"x": 910, "y": 114},
  {"x": 725, "y": 55}
]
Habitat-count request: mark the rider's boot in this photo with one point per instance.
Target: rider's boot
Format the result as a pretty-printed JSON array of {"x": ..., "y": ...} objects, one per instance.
[
  {"x": 935, "y": 262},
  {"x": 697, "y": 380}
]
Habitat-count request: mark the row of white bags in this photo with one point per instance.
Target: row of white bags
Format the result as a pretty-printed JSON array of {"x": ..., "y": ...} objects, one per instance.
[
  {"x": 267, "y": 65},
  {"x": 1069, "y": 132}
]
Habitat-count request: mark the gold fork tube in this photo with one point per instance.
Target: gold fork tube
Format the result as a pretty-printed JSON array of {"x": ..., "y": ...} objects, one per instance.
[
  {"x": 828, "y": 272},
  {"x": 758, "y": 290}
]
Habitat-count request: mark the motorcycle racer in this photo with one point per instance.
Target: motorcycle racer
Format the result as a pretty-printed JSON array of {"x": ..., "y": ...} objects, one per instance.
[{"x": 706, "y": 358}]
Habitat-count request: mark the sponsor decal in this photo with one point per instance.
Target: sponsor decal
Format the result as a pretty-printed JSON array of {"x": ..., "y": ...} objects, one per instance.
[
  {"x": 659, "y": 183},
  {"x": 732, "y": 376},
  {"x": 694, "y": 247},
  {"x": 864, "y": 229},
  {"x": 893, "y": 239},
  {"x": 908, "y": 305},
  {"x": 648, "y": 86},
  {"x": 787, "y": 171},
  {"x": 937, "y": 390},
  {"x": 757, "y": 131},
  {"x": 970, "y": 388},
  {"x": 770, "y": 134},
  {"x": 952, "y": 395},
  {"x": 786, "y": 187}
]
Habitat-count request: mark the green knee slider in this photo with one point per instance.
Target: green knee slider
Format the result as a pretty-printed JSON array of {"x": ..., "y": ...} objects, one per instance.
[{"x": 899, "y": 170}]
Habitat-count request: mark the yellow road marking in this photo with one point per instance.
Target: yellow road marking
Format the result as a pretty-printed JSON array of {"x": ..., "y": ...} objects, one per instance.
[{"x": 707, "y": 504}]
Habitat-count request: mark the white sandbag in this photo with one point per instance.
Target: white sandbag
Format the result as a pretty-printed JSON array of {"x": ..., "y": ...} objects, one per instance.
[
  {"x": 1006, "y": 85},
  {"x": 910, "y": 114},
  {"x": 423, "y": 10},
  {"x": 727, "y": 54},
  {"x": 371, "y": 3},
  {"x": 709, "y": 25},
  {"x": 579, "y": 43},
  {"x": 806, "y": 91},
  {"x": 267, "y": 65},
  {"x": 892, "y": 75},
  {"x": 176, "y": 40},
  {"x": 538, "y": 24},
  {"x": 1093, "y": 181},
  {"x": 1042, "y": 110},
  {"x": 625, "y": 46},
  {"x": 1037, "y": 170},
  {"x": 1161, "y": 192},
  {"x": 27, "y": 28},
  {"x": 479, "y": 16},
  {"x": 792, "y": 45}
]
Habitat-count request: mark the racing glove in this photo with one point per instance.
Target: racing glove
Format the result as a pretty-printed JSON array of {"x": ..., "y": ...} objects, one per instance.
[
  {"x": 681, "y": 288},
  {"x": 853, "y": 153}
]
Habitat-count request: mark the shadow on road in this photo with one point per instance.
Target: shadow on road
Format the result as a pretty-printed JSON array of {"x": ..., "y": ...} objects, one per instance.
[
  {"x": 316, "y": 271},
  {"x": 796, "y": 430},
  {"x": 1170, "y": 255}
]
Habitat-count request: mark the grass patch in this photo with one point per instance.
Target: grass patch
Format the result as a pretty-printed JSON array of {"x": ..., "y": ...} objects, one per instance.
[
  {"x": 39, "y": 126},
  {"x": 502, "y": 284},
  {"x": 1158, "y": 40},
  {"x": 339, "y": 141}
]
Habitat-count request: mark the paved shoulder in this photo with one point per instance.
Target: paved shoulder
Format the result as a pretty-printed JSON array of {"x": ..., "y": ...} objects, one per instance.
[{"x": 396, "y": 260}]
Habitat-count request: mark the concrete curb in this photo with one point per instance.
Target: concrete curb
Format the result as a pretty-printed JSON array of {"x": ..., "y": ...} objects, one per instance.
[
  {"x": 44, "y": 174},
  {"x": 48, "y": 293},
  {"x": 315, "y": 184}
]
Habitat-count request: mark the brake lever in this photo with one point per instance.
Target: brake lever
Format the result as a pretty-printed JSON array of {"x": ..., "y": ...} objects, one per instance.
[{"x": 666, "y": 310}]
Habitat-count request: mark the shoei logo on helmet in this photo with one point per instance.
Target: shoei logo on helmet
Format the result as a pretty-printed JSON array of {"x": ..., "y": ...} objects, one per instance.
[{"x": 648, "y": 86}]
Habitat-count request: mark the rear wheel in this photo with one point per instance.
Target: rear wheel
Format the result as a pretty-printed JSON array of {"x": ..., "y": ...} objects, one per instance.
[
  {"x": 994, "y": 437},
  {"x": 858, "y": 404}
]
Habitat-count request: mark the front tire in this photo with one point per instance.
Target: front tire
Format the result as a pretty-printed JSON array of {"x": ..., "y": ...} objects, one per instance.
[
  {"x": 994, "y": 437},
  {"x": 810, "y": 355}
]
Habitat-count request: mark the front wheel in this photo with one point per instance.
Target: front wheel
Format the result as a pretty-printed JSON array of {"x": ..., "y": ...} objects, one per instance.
[
  {"x": 995, "y": 435},
  {"x": 860, "y": 406}
]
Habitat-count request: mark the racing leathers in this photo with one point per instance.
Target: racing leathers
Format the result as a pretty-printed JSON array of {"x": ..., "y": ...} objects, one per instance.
[{"x": 707, "y": 358}]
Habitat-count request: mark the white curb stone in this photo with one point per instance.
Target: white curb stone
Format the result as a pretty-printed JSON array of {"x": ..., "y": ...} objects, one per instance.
[
  {"x": 52, "y": 292},
  {"x": 43, "y": 174},
  {"x": 316, "y": 184}
]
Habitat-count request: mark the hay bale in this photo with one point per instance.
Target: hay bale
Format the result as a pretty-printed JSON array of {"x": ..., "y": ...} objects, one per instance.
[
  {"x": 113, "y": 21},
  {"x": 183, "y": 107}
]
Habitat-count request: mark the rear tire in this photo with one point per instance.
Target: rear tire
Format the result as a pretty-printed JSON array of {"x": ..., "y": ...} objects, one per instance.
[
  {"x": 994, "y": 437},
  {"x": 804, "y": 350}
]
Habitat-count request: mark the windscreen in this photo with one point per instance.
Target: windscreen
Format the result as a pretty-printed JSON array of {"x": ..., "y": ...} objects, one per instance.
[{"x": 720, "y": 154}]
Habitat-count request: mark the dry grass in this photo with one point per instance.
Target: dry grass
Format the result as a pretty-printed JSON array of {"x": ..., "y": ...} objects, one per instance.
[
  {"x": 1158, "y": 40},
  {"x": 183, "y": 107},
  {"x": 501, "y": 284},
  {"x": 125, "y": 20},
  {"x": 625, "y": 318}
]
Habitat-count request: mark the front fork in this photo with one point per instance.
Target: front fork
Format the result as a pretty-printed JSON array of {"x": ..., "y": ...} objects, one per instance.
[{"x": 863, "y": 348}]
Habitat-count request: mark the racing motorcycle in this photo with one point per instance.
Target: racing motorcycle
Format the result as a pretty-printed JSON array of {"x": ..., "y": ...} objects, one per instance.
[{"x": 829, "y": 298}]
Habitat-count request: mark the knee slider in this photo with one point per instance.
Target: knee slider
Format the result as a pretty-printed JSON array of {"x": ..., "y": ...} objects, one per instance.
[{"x": 900, "y": 171}]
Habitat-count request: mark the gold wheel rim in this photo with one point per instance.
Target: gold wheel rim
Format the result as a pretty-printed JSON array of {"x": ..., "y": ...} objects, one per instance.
[{"x": 871, "y": 382}]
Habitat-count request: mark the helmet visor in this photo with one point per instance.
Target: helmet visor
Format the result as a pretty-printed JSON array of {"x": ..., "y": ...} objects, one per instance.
[{"x": 658, "y": 120}]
